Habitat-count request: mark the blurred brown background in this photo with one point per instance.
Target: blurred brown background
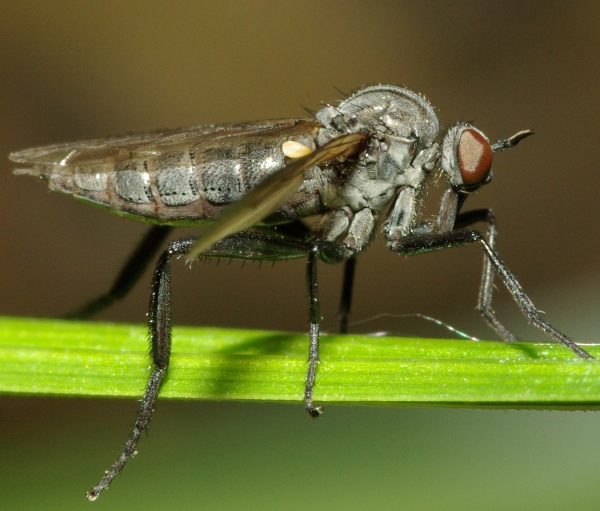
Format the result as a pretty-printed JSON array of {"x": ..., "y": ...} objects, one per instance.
[{"x": 70, "y": 71}]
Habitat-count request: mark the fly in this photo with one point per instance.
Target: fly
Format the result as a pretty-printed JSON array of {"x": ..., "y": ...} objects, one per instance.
[{"x": 360, "y": 166}]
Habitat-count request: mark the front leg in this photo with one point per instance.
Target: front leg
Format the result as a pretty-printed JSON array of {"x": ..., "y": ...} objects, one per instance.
[
  {"x": 429, "y": 242},
  {"x": 486, "y": 289},
  {"x": 448, "y": 220}
]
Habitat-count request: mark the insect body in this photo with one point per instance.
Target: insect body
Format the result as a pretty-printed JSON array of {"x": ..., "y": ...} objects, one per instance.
[{"x": 358, "y": 165}]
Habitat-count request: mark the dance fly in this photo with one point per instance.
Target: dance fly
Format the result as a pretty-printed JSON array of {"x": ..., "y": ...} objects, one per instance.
[{"x": 359, "y": 167}]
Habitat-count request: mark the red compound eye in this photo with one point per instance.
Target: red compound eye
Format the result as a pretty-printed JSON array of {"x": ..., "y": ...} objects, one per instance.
[{"x": 474, "y": 157}]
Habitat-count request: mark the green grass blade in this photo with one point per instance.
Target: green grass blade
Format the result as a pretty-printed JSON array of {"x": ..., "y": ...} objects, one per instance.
[{"x": 100, "y": 359}]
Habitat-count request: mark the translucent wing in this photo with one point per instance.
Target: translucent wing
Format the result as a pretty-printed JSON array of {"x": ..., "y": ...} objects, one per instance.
[
  {"x": 102, "y": 151},
  {"x": 270, "y": 194}
]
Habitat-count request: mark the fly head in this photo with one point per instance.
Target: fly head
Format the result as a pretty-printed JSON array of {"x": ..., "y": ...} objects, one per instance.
[{"x": 467, "y": 157}]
